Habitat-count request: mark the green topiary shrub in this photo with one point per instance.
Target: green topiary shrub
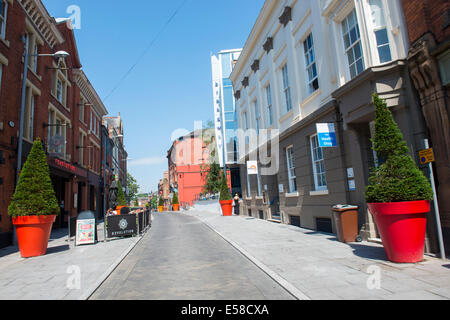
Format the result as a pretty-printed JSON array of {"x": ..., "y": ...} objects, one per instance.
[
  {"x": 121, "y": 199},
  {"x": 225, "y": 194},
  {"x": 161, "y": 202},
  {"x": 175, "y": 199},
  {"x": 34, "y": 194},
  {"x": 398, "y": 179}
]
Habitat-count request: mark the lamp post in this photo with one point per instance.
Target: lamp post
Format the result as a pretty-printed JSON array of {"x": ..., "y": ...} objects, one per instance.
[{"x": 59, "y": 55}]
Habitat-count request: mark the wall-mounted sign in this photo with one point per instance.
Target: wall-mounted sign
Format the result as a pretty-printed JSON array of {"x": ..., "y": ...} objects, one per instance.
[
  {"x": 350, "y": 173},
  {"x": 426, "y": 156},
  {"x": 252, "y": 167},
  {"x": 326, "y": 133},
  {"x": 281, "y": 188},
  {"x": 351, "y": 185}
]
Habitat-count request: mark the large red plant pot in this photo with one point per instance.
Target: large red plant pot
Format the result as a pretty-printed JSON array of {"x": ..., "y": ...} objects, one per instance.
[
  {"x": 402, "y": 227},
  {"x": 227, "y": 208},
  {"x": 33, "y": 234},
  {"x": 176, "y": 207}
]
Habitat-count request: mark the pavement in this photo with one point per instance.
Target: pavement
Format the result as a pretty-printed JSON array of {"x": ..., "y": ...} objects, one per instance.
[
  {"x": 309, "y": 265},
  {"x": 66, "y": 272},
  {"x": 316, "y": 266}
]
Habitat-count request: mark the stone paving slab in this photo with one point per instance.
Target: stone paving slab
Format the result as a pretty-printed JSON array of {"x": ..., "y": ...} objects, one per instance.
[
  {"x": 320, "y": 267},
  {"x": 55, "y": 275}
]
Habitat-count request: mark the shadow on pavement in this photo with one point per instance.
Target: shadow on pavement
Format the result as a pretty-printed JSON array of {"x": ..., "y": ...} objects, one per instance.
[
  {"x": 369, "y": 252},
  {"x": 58, "y": 249}
]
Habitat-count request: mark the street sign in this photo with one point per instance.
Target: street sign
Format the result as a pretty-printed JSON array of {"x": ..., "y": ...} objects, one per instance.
[
  {"x": 326, "y": 133},
  {"x": 426, "y": 156}
]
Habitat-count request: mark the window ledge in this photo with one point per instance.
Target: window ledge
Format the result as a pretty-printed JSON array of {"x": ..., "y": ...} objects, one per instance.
[
  {"x": 35, "y": 74},
  {"x": 247, "y": 198},
  {"x": 311, "y": 97},
  {"x": 292, "y": 195},
  {"x": 259, "y": 198},
  {"x": 319, "y": 193},
  {"x": 6, "y": 42}
]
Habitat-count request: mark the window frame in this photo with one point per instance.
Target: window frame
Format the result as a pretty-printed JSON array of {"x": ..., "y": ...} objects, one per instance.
[
  {"x": 314, "y": 142},
  {"x": 268, "y": 90},
  {"x": 308, "y": 53},
  {"x": 4, "y": 19},
  {"x": 292, "y": 176},
  {"x": 346, "y": 31},
  {"x": 286, "y": 88}
]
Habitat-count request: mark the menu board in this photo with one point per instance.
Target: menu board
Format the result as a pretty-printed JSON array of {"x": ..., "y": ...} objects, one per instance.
[{"x": 85, "y": 232}]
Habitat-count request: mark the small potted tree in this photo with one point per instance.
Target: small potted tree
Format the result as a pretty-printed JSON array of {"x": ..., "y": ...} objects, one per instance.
[
  {"x": 398, "y": 194},
  {"x": 121, "y": 199},
  {"x": 34, "y": 206},
  {"x": 161, "y": 205},
  {"x": 175, "y": 202},
  {"x": 226, "y": 199}
]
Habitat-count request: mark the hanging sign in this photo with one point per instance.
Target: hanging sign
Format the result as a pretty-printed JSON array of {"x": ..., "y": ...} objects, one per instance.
[
  {"x": 252, "y": 167},
  {"x": 426, "y": 156},
  {"x": 327, "y": 135}
]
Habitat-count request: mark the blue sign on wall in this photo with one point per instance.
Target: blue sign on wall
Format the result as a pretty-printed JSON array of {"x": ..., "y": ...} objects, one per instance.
[{"x": 327, "y": 135}]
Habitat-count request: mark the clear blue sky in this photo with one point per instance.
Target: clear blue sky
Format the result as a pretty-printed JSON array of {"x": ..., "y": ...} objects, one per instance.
[{"x": 171, "y": 87}]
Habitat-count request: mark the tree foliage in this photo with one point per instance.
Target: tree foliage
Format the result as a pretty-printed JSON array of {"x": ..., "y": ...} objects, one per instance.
[
  {"x": 133, "y": 189},
  {"x": 225, "y": 194},
  {"x": 121, "y": 199},
  {"x": 398, "y": 179},
  {"x": 34, "y": 194}
]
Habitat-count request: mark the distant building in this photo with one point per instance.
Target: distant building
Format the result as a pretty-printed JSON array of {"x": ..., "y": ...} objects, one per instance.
[{"x": 225, "y": 117}]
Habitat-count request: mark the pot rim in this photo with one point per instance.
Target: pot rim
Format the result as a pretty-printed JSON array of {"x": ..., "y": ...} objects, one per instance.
[{"x": 400, "y": 208}]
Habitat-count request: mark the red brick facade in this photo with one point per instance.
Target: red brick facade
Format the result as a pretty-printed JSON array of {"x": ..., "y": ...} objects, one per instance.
[{"x": 60, "y": 91}]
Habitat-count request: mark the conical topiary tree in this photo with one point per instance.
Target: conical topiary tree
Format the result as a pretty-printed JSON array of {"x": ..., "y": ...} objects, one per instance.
[
  {"x": 175, "y": 199},
  {"x": 161, "y": 202},
  {"x": 34, "y": 194},
  {"x": 398, "y": 179},
  {"x": 225, "y": 194},
  {"x": 121, "y": 199}
]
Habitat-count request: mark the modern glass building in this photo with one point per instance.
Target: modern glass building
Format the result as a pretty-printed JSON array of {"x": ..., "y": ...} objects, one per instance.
[{"x": 225, "y": 112}]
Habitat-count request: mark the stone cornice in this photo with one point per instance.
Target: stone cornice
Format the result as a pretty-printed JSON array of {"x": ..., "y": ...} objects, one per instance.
[
  {"x": 89, "y": 92},
  {"x": 42, "y": 21}
]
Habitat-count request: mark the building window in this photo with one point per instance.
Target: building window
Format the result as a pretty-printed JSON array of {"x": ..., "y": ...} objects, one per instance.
[
  {"x": 57, "y": 134},
  {"x": 260, "y": 193},
  {"x": 318, "y": 162},
  {"x": 60, "y": 83},
  {"x": 3, "y": 14},
  {"x": 352, "y": 44},
  {"x": 29, "y": 115},
  {"x": 286, "y": 88},
  {"x": 257, "y": 117},
  {"x": 291, "y": 169},
  {"x": 82, "y": 107},
  {"x": 81, "y": 149},
  {"x": 381, "y": 34},
  {"x": 269, "y": 106},
  {"x": 311, "y": 67}
]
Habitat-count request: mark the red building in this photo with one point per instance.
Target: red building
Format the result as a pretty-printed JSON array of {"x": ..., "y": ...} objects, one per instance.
[
  {"x": 428, "y": 23},
  {"x": 189, "y": 157},
  {"x": 61, "y": 108}
]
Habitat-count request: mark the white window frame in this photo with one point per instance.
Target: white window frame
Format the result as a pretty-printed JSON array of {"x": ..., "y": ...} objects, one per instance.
[
  {"x": 257, "y": 116},
  {"x": 349, "y": 50},
  {"x": 249, "y": 187},
  {"x": 286, "y": 88},
  {"x": 378, "y": 28},
  {"x": 3, "y": 19},
  {"x": 292, "y": 177},
  {"x": 268, "y": 90},
  {"x": 28, "y": 133},
  {"x": 314, "y": 141},
  {"x": 260, "y": 192},
  {"x": 310, "y": 64}
]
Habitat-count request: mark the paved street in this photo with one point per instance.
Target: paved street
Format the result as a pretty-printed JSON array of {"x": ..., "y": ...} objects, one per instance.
[{"x": 182, "y": 259}]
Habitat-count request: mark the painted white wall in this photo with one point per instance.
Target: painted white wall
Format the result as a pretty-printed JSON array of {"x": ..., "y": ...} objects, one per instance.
[{"x": 324, "y": 19}]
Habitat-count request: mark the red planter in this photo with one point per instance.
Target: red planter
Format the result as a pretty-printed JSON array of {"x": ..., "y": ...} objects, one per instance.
[
  {"x": 176, "y": 207},
  {"x": 402, "y": 226},
  {"x": 227, "y": 208},
  {"x": 33, "y": 234}
]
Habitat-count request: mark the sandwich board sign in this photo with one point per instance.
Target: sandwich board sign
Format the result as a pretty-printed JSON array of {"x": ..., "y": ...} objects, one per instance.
[
  {"x": 326, "y": 133},
  {"x": 85, "y": 230}
]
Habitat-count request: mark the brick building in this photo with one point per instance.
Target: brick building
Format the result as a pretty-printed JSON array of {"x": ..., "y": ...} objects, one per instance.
[
  {"x": 428, "y": 24},
  {"x": 61, "y": 108}
]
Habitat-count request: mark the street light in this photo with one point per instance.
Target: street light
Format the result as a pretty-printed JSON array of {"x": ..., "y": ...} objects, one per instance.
[{"x": 59, "y": 55}]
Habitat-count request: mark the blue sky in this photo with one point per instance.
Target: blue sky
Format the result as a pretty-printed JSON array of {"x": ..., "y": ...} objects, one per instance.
[{"x": 171, "y": 87}]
